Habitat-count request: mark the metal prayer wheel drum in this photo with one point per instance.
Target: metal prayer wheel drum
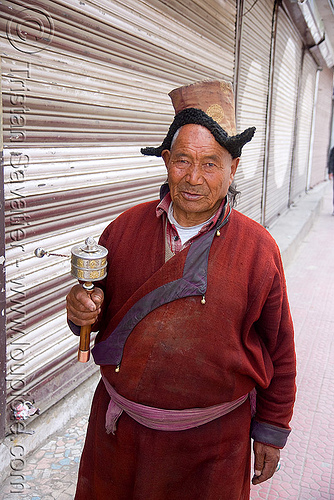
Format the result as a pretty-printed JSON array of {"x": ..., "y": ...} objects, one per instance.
[
  {"x": 88, "y": 264},
  {"x": 89, "y": 261}
]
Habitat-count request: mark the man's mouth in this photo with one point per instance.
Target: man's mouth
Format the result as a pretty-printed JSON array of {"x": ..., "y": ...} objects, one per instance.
[{"x": 191, "y": 196}]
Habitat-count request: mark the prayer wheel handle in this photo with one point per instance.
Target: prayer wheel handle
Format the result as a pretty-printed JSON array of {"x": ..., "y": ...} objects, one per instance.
[
  {"x": 88, "y": 264},
  {"x": 84, "y": 343}
]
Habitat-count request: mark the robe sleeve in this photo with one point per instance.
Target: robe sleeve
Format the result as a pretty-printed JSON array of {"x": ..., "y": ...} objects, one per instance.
[
  {"x": 73, "y": 327},
  {"x": 274, "y": 403}
]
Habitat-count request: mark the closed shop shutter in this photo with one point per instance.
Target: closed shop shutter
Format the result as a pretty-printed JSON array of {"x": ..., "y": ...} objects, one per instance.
[
  {"x": 322, "y": 123},
  {"x": 253, "y": 85},
  {"x": 287, "y": 61},
  {"x": 304, "y": 127},
  {"x": 79, "y": 103}
]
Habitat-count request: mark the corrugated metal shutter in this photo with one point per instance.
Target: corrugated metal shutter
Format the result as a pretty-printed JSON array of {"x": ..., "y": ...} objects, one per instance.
[
  {"x": 253, "y": 84},
  {"x": 322, "y": 122},
  {"x": 304, "y": 126},
  {"x": 287, "y": 60},
  {"x": 94, "y": 93}
]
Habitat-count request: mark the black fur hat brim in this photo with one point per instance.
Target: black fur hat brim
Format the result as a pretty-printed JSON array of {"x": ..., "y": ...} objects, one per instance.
[{"x": 233, "y": 144}]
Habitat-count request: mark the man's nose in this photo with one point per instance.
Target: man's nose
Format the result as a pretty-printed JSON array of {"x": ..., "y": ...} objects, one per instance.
[{"x": 194, "y": 175}]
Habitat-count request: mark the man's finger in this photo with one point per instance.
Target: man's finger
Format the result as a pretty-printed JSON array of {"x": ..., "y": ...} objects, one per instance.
[
  {"x": 90, "y": 316},
  {"x": 80, "y": 300},
  {"x": 83, "y": 308},
  {"x": 258, "y": 461},
  {"x": 266, "y": 473},
  {"x": 266, "y": 460},
  {"x": 97, "y": 297}
]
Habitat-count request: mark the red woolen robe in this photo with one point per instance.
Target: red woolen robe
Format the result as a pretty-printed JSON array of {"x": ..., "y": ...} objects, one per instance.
[{"x": 185, "y": 354}]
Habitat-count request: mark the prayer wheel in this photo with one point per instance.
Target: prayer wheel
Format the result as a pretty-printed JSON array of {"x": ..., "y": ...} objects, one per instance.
[{"x": 88, "y": 264}]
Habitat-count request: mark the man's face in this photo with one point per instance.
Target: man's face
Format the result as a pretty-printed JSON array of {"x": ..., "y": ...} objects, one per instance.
[{"x": 200, "y": 172}]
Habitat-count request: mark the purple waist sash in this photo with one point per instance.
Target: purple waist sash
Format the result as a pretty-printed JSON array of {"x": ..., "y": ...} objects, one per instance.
[{"x": 160, "y": 419}]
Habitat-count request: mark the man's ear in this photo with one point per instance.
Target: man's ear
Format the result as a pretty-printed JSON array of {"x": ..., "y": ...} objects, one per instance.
[
  {"x": 165, "y": 155},
  {"x": 234, "y": 166}
]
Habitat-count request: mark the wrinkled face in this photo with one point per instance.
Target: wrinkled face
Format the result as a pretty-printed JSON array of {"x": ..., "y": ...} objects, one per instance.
[{"x": 200, "y": 172}]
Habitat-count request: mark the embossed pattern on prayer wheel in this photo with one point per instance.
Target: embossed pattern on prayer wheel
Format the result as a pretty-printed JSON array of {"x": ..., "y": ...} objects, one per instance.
[{"x": 89, "y": 261}]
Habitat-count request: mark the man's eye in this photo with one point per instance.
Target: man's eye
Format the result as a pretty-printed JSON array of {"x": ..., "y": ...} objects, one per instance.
[{"x": 181, "y": 163}]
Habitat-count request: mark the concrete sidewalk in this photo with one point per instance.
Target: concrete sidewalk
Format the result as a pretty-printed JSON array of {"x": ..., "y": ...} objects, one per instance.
[{"x": 307, "y": 460}]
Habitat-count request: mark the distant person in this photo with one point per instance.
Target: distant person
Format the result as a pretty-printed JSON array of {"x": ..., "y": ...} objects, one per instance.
[{"x": 331, "y": 170}]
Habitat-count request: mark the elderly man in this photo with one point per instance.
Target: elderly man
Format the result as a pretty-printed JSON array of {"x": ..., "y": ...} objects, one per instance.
[{"x": 193, "y": 319}]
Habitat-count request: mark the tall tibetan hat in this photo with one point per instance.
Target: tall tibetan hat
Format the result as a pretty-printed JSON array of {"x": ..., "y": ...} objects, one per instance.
[{"x": 210, "y": 104}]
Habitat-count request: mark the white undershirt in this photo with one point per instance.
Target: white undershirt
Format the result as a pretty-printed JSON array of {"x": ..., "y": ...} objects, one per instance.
[{"x": 185, "y": 233}]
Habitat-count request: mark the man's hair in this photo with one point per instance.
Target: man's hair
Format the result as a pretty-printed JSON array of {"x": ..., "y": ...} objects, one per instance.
[{"x": 233, "y": 194}]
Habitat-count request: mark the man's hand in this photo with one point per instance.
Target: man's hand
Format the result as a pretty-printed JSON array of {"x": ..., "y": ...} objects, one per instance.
[
  {"x": 82, "y": 308},
  {"x": 266, "y": 460}
]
